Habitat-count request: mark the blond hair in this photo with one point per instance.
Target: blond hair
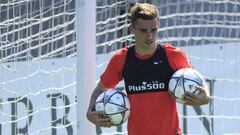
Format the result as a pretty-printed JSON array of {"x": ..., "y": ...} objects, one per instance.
[{"x": 143, "y": 11}]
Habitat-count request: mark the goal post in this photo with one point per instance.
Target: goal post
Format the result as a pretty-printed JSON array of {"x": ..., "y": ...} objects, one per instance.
[{"x": 86, "y": 67}]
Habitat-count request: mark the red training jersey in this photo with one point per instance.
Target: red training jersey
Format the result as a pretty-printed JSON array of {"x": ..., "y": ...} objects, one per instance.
[{"x": 152, "y": 113}]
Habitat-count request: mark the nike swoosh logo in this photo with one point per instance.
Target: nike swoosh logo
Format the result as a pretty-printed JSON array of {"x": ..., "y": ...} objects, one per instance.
[{"x": 157, "y": 62}]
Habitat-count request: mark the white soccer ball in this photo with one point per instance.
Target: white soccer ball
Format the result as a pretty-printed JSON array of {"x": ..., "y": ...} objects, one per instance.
[
  {"x": 185, "y": 79},
  {"x": 115, "y": 104}
]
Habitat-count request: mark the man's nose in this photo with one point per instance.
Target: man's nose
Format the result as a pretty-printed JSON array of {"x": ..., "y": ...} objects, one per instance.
[{"x": 149, "y": 35}]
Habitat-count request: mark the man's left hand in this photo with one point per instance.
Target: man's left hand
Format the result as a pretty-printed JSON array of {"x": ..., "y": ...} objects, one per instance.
[{"x": 195, "y": 100}]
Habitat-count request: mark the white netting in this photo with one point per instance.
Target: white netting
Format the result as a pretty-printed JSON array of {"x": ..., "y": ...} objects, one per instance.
[
  {"x": 112, "y": 25},
  {"x": 199, "y": 22},
  {"x": 37, "y": 90},
  {"x": 38, "y": 63}
]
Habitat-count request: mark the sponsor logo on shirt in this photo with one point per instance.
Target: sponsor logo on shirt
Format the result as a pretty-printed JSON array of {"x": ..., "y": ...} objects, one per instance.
[{"x": 154, "y": 85}]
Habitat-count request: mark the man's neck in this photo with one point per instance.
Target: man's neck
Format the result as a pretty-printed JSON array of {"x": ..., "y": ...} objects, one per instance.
[{"x": 143, "y": 51}]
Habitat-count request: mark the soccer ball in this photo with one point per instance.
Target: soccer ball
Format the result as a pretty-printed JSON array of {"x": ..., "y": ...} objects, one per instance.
[
  {"x": 115, "y": 104},
  {"x": 185, "y": 79}
]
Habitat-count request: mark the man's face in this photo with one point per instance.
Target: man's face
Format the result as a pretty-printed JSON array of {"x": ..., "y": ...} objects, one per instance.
[{"x": 145, "y": 32}]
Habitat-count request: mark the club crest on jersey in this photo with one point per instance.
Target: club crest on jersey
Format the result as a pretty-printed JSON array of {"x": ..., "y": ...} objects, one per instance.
[{"x": 146, "y": 86}]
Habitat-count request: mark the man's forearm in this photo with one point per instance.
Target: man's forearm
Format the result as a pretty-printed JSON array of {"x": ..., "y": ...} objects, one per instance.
[{"x": 94, "y": 97}]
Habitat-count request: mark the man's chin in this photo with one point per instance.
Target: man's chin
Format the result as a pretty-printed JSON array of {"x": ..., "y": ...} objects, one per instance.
[{"x": 150, "y": 44}]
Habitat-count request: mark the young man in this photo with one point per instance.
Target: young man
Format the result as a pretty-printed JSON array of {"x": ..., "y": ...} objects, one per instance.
[{"x": 153, "y": 111}]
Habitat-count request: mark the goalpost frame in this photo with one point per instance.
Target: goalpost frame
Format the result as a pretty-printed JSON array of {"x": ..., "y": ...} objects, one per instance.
[{"x": 86, "y": 64}]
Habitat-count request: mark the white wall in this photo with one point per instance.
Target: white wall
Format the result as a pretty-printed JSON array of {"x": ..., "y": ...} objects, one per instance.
[
  {"x": 36, "y": 81},
  {"x": 220, "y": 62}
]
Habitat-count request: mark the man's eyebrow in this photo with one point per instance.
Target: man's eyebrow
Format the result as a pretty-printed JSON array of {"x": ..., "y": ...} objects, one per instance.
[
  {"x": 142, "y": 28},
  {"x": 147, "y": 28}
]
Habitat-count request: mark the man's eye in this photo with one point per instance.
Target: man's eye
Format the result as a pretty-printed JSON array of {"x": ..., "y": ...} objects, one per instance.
[{"x": 154, "y": 30}]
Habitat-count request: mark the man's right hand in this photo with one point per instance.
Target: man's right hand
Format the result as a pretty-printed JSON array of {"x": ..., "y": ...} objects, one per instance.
[{"x": 99, "y": 119}]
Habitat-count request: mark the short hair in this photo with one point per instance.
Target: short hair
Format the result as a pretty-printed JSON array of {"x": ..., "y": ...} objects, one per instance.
[{"x": 143, "y": 11}]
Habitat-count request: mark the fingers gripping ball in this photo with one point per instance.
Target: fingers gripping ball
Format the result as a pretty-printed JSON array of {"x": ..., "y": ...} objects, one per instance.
[
  {"x": 185, "y": 80},
  {"x": 115, "y": 104}
]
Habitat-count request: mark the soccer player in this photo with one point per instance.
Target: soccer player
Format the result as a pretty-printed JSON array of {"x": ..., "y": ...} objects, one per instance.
[{"x": 146, "y": 68}]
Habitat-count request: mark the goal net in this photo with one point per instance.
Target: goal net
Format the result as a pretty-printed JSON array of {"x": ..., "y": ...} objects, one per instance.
[
  {"x": 38, "y": 61},
  {"x": 37, "y": 67}
]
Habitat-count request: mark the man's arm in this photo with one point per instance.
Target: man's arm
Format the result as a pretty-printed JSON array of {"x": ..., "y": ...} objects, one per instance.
[
  {"x": 97, "y": 91},
  {"x": 97, "y": 117}
]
